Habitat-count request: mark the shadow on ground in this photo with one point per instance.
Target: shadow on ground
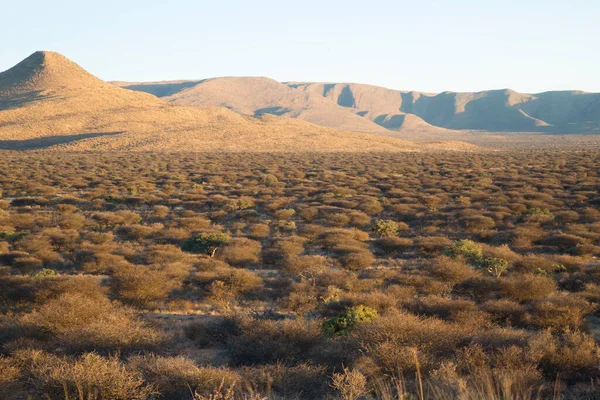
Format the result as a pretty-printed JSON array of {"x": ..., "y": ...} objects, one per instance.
[{"x": 46, "y": 142}]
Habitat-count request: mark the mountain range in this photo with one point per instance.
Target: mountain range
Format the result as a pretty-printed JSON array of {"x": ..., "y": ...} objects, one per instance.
[
  {"x": 366, "y": 108},
  {"x": 47, "y": 100}
]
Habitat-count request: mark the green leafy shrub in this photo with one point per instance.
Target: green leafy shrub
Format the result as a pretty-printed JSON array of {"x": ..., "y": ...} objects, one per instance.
[
  {"x": 207, "y": 242},
  {"x": 495, "y": 266},
  {"x": 466, "y": 248},
  {"x": 385, "y": 227},
  {"x": 44, "y": 273},
  {"x": 351, "y": 317}
]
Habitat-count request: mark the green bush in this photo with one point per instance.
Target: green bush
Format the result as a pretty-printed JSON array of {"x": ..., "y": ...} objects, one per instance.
[
  {"x": 206, "y": 243},
  {"x": 466, "y": 248},
  {"x": 44, "y": 273},
  {"x": 351, "y": 317},
  {"x": 495, "y": 266},
  {"x": 385, "y": 227}
]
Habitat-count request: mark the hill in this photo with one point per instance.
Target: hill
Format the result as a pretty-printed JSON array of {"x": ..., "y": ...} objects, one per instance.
[
  {"x": 492, "y": 111},
  {"x": 367, "y": 108},
  {"x": 258, "y": 96},
  {"x": 47, "y": 100}
]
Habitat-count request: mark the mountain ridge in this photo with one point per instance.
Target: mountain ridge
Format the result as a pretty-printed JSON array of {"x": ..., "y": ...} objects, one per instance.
[
  {"x": 498, "y": 110},
  {"x": 48, "y": 101}
]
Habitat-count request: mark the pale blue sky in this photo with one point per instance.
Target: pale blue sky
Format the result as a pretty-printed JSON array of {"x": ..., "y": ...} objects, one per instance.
[{"x": 426, "y": 45}]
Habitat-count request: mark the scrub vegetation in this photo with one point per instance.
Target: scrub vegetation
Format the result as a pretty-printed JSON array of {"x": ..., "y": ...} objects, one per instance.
[{"x": 300, "y": 276}]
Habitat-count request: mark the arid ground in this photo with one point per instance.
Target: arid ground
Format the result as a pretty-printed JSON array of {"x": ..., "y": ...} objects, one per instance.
[{"x": 300, "y": 276}]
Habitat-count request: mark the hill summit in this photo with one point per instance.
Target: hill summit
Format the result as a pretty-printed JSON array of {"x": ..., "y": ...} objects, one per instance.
[{"x": 46, "y": 71}]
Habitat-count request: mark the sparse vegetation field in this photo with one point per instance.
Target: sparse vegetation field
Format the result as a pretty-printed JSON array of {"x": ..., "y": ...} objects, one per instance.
[{"x": 300, "y": 276}]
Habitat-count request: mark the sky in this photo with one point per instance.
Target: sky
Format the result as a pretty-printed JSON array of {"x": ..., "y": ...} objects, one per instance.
[{"x": 424, "y": 45}]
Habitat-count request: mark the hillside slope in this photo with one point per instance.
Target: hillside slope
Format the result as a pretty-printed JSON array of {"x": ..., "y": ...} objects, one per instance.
[
  {"x": 256, "y": 96},
  {"x": 47, "y": 101},
  {"x": 493, "y": 110}
]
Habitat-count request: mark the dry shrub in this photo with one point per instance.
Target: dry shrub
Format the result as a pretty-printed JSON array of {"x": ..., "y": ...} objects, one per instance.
[
  {"x": 496, "y": 338},
  {"x": 424, "y": 284},
  {"x": 27, "y": 264},
  {"x": 450, "y": 270},
  {"x": 477, "y": 223},
  {"x": 528, "y": 287},
  {"x": 565, "y": 242},
  {"x": 503, "y": 252},
  {"x": 392, "y": 244},
  {"x": 302, "y": 299},
  {"x": 230, "y": 285},
  {"x": 441, "y": 307},
  {"x": 172, "y": 235},
  {"x": 391, "y": 339},
  {"x": 167, "y": 254},
  {"x": 102, "y": 263},
  {"x": 307, "y": 266},
  {"x": 10, "y": 375},
  {"x": 258, "y": 231},
  {"x": 267, "y": 341},
  {"x": 241, "y": 252},
  {"x": 533, "y": 263},
  {"x": 178, "y": 377},
  {"x": 143, "y": 285},
  {"x": 90, "y": 377},
  {"x": 286, "y": 249},
  {"x": 574, "y": 356},
  {"x": 560, "y": 312},
  {"x": 432, "y": 244},
  {"x": 401, "y": 294},
  {"x": 339, "y": 238},
  {"x": 160, "y": 211},
  {"x": 571, "y": 263},
  {"x": 79, "y": 322},
  {"x": 350, "y": 384},
  {"x": 300, "y": 381},
  {"x": 357, "y": 260},
  {"x": 53, "y": 287},
  {"x": 505, "y": 311},
  {"x": 212, "y": 331},
  {"x": 16, "y": 290}
]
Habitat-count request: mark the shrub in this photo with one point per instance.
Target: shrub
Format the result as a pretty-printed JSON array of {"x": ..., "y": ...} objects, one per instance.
[
  {"x": 477, "y": 223},
  {"x": 307, "y": 267},
  {"x": 90, "y": 376},
  {"x": 213, "y": 331},
  {"x": 432, "y": 244},
  {"x": 10, "y": 374},
  {"x": 351, "y": 384},
  {"x": 208, "y": 243},
  {"x": 495, "y": 266},
  {"x": 505, "y": 311},
  {"x": 466, "y": 248},
  {"x": 350, "y": 318},
  {"x": 574, "y": 356},
  {"x": 304, "y": 381},
  {"x": 386, "y": 227},
  {"x": 537, "y": 215},
  {"x": 450, "y": 270},
  {"x": 78, "y": 322},
  {"x": 560, "y": 312},
  {"x": 357, "y": 260},
  {"x": 529, "y": 287},
  {"x": 394, "y": 244},
  {"x": 241, "y": 251},
  {"x": 267, "y": 341},
  {"x": 144, "y": 286},
  {"x": 178, "y": 377}
]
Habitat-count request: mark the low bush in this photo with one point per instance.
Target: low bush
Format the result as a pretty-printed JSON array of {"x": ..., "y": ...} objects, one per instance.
[{"x": 349, "y": 319}]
